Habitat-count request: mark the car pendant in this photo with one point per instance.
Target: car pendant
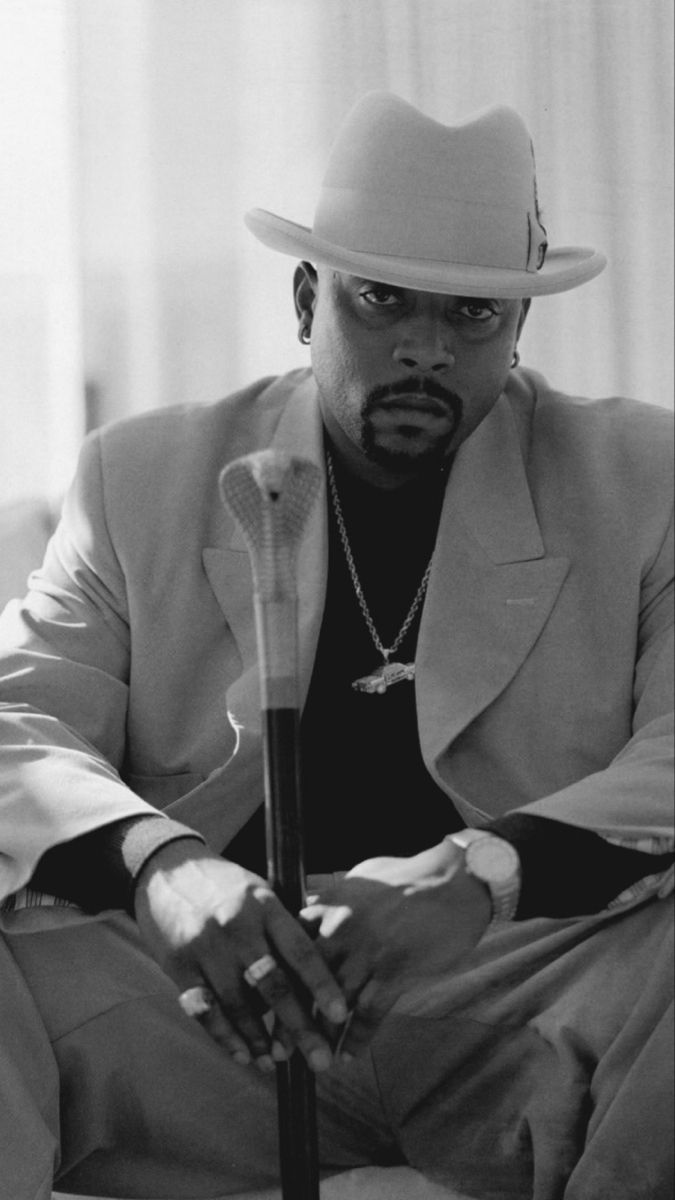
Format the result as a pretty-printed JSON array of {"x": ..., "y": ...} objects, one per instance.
[{"x": 384, "y": 677}]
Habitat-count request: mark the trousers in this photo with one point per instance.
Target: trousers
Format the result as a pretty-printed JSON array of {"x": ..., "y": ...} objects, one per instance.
[{"x": 542, "y": 1070}]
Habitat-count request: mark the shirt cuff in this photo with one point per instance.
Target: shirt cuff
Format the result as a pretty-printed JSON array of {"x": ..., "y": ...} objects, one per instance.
[
  {"x": 569, "y": 872},
  {"x": 99, "y": 869}
]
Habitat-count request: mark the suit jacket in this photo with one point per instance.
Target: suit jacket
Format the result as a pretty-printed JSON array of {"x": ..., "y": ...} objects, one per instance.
[{"x": 128, "y": 676}]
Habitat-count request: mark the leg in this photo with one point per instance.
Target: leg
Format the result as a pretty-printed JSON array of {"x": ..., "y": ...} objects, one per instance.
[
  {"x": 542, "y": 1070},
  {"x": 29, "y": 1092},
  {"x": 629, "y": 1135},
  {"x": 150, "y": 1106}
]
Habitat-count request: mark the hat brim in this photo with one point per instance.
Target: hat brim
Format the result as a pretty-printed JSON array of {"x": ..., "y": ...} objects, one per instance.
[{"x": 564, "y": 268}]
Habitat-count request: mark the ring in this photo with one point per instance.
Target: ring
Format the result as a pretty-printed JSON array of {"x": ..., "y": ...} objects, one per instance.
[
  {"x": 197, "y": 1001},
  {"x": 260, "y": 969}
]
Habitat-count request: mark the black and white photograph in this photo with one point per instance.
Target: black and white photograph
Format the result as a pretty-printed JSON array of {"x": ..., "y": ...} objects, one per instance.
[{"x": 336, "y": 600}]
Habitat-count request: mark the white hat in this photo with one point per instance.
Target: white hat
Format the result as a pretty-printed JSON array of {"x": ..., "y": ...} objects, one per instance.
[{"x": 440, "y": 208}]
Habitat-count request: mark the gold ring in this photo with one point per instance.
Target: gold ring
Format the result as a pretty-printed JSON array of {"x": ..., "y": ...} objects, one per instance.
[
  {"x": 260, "y": 969},
  {"x": 197, "y": 1001}
]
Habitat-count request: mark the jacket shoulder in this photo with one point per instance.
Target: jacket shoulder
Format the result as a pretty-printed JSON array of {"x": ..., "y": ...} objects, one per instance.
[
  {"x": 163, "y": 465},
  {"x": 600, "y": 472},
  {"x": 255, "y": 407},
  {"x": 613, "y": 438}
]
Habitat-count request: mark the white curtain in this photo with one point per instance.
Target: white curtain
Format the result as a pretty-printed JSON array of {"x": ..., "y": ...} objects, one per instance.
[
  {"x": 188, "y": 112},
  {"x": 41, "y": 349}
]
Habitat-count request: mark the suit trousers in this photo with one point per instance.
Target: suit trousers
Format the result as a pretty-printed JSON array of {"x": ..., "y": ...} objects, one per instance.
[{"x": 542, "y": 1070}]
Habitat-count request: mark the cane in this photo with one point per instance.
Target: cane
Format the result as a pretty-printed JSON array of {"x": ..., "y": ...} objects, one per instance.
[{"x": 270, "y": 494}]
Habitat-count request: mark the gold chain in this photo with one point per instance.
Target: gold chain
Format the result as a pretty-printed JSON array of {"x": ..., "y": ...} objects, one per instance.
[{"x": 419, "y": 594}]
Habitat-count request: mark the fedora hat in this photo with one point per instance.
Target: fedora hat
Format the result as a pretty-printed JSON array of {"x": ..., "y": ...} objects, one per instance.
[{"x": 440, "y": 208}]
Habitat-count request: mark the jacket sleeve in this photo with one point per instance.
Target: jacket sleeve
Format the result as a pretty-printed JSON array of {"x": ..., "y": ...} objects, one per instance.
[
  {"x": 630, "y": 802},
  {"x": 64, "y": 663}
]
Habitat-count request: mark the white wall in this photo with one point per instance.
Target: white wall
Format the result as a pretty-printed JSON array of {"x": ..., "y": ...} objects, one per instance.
[
  {"x": 136, "y": 133},
  {"x": 225, "y": 105},
  {"x": 41, "y": 384}
]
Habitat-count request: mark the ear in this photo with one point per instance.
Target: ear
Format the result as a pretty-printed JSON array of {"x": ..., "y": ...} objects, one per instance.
[{"x": 305, "y": 284}]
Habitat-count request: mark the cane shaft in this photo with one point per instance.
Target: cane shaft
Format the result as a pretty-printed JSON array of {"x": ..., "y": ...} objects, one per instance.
[
  {"x": 283, "y": 823},
  {"x": 270, "y": 495},
  {"x": 297, "y": 1130},
  {"x": 298, "y": 1154}
]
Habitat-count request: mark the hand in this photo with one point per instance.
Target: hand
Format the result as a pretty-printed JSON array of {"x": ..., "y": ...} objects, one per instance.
[
  {"x": 393, "y": 922},
  {"x": 205, "y": 920}
]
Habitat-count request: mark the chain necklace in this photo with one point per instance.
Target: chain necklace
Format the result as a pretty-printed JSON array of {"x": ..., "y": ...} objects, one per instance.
[{"x": 388, "y": 673}]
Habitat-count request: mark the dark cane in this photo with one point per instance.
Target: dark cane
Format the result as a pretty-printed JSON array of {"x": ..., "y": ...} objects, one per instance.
[{"x": 270, "y": 494}]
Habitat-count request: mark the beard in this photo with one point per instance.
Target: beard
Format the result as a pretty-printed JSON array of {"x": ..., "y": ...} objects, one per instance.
[{"x": 415, "y": 447}]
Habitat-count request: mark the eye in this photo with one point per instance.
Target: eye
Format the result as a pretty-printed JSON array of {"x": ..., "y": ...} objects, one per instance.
[
  {"x": 477, "y": 310},
  {"x": 380, "y": 296}
]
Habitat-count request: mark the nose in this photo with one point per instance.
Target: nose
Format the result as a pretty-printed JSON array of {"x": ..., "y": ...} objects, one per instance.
[{"x": 424, "y": 346}]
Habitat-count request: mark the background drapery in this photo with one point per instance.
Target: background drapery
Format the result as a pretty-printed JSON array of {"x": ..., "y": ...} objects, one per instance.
[{"x": 134, "y": 134}]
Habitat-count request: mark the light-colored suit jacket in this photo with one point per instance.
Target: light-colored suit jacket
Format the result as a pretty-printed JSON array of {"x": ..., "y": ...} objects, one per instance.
[{"x": 128, "y": 676}]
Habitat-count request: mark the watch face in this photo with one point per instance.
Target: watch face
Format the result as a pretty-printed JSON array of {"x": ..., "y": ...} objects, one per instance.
[{"x": 492, "y": 859}]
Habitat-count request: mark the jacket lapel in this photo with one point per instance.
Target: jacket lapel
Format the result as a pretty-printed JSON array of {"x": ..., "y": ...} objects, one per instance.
[
  {"x": 491, "y": 589},
  {"x": 228, "y": 569}
]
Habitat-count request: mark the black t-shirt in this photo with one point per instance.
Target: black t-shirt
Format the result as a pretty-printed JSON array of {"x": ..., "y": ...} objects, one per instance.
[{"x": 365, "y": 788}]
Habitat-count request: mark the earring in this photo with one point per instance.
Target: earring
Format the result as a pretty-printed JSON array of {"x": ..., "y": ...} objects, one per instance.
[
  {"x": 305, "y": 332},
  {"x": 515, "y": 360}
]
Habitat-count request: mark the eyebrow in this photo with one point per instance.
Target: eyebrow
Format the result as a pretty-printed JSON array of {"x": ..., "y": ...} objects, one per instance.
[
  {"x": 478, "y": 299},
  {"x": 359, "y": 281},
  {"x": 395, "y": 287}
]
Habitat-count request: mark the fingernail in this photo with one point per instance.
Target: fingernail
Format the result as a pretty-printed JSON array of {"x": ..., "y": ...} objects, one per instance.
[
  {"x": 279, "y": 1052},
  {"x": 337, "y": 1011},
  {"x": 320, "y": 1060}
]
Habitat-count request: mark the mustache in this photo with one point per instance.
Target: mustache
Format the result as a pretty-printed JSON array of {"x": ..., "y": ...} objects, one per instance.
[{"x": 414, "y": 386}]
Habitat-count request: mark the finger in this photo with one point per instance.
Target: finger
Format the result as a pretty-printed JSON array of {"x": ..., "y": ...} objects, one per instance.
[
  {"x": 223, "y": 1032},
  {"x": 354, "y": 974},
  {"x": 364, "y": 1022},
  {"x": 250, "y": 1029},
  {"x": 333, "y": 1034},
  {"x": 200, "y": 1003},
  {"x": 265, "y": 987},
  {"x": 282, "y": 1044},
  {"x": 196, "y": 1000},
  {"x": 236, "y": 1014},
  {"x": 352, "y": 965},
  {"x": 358, "y": 985},
  {"x": 311, "y": 916},
  {"x": 295, "y": 1026},
  {"x": 301, "y": 955}
]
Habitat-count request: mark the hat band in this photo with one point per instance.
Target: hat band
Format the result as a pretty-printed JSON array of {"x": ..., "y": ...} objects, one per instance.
[{"x": 444, "y": 230}]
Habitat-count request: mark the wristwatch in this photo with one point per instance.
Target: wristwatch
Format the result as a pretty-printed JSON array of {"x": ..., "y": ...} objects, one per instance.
[{"x": 496, "y": 863}]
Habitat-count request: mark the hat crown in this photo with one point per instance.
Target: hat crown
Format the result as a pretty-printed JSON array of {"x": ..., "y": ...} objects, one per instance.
[
  {"x": 399, "y": 182},
  {"x": 453, "y": 209}
]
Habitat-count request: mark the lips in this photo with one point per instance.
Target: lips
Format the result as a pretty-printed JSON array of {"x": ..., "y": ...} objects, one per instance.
[
  {"x": 415, "y": 394},
  {"x": 417, "y": 403}
]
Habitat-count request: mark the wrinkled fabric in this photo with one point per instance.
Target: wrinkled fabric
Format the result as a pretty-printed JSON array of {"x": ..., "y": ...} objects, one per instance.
[{"x": 542, "y": 1071}]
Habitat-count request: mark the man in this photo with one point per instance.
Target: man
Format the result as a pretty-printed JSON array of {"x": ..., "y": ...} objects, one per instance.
[{"x": 484, "y": 621}]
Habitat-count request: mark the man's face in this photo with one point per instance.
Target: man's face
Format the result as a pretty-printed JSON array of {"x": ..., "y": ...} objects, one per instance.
[{"x": 404, "y": 376}]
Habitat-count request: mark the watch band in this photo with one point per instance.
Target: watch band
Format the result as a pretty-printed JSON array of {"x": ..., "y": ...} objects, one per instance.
[{"x": 496, "y": 863}]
